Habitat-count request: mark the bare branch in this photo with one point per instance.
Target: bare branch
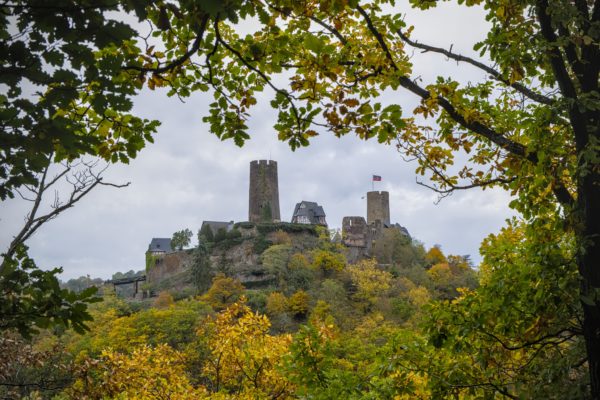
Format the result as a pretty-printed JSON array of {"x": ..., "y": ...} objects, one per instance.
[
  {"x": 23, "y": 196},
  {"x": 115, "y": 185},
  {"x": 82, "y": 182},
  {"x": 452, "y": 188},
  {"x": 58, "y": 176},
  {"x": 39, "y": 191}
]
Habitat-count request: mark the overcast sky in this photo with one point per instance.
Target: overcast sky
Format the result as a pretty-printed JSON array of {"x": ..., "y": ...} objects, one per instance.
[{"x": 188, "y": 176}]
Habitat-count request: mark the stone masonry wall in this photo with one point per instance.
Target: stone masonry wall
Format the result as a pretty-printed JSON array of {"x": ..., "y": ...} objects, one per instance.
[
  {"x": 239, "y": 260},
  {"x": 354, "y": 232},
  {"x": 356, "y": 237},
  {"x": 378, "y": 207},
  {"x": 167, "y": 265},
  {"x": 264, "y": 192}
]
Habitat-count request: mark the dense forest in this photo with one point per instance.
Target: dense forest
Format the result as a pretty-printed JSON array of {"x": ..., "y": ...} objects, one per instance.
[{"x": 409, "y": 323}]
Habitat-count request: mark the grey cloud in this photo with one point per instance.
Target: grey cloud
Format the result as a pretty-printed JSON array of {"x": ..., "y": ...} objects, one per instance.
[{"x": 189, "y": 175}]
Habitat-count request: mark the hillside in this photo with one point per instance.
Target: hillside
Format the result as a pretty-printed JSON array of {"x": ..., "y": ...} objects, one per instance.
[
  {"x": 273, "y": 314},
  {"x": 275, "y": 280}
]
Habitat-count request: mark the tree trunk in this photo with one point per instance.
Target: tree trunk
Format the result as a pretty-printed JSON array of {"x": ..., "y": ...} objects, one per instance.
[{"x": 589, "y": 269}]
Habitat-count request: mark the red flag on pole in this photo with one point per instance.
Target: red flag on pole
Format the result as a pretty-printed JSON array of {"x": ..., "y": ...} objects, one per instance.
[{"x": 376, "y": 178}]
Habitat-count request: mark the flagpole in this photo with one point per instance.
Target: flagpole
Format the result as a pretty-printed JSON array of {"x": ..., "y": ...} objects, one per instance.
[{"x": 372, "y": 184}]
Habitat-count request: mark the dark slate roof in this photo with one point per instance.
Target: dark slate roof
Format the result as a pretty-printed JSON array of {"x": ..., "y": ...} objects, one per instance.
[
  {"x": 160, "y": 244},
  {"x": 308, "y": 209},
  {"x": 216, "y": 225}
]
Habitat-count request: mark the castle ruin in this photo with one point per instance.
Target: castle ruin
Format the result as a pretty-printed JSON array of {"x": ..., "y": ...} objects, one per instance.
[
  {"x": 359, "y": 235},
  {"x": 264, "y": 192}
]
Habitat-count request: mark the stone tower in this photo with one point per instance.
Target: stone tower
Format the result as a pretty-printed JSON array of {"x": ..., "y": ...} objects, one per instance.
[
  {"x": 378, "y": 207},
  {"x": 264, "y": 192}
]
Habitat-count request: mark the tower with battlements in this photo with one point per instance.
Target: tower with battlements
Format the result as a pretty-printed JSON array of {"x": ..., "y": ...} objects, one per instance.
[
  {"x": 264, "y": 192},
  {"x": 378, "y": 207}
]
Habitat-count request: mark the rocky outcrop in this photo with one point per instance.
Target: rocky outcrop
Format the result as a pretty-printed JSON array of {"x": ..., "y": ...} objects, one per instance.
[{"x": 238, "y": 255}]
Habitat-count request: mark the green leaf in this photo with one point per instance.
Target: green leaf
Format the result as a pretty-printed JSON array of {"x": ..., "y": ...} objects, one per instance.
[{"x": 313, "y": 43}]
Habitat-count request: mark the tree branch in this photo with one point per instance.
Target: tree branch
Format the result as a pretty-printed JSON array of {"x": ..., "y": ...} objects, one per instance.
[
  {"x": 453, "y": 187},
  {"x": 38, "y": 192},
  {"x": 82, "y": 183},
  {"x": 60, "y": 8},
  {"x": 331, "y": 29},
  {"x": 502, "y": 141},
  {"x": 318, "y": 21},
  {"x": 513, "y": 147},
  {"x": 542, "y": 341},
  {"x": 578, "y": 118},
  {"x": 495, "y": 74},
  {"x": 179, "y": 61},
  {"x": 571, "y": 53},
  {"x": 483, "y": 130},
  {"x": 239, "y": 56},
  {"x": 556, "y": 60}
]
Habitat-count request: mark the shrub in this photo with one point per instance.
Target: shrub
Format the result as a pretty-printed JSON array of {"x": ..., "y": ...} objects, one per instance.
[{"x": 261, "y": 244}]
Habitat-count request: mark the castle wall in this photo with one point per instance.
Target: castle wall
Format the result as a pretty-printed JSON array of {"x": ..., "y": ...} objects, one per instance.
[
  {"x": 378, "y": 207},
  {"x": 355, "y": 232},
  {"x": 264, "y": 192},
  {"x": 166, "y": 265},
  {"x": 356, "y": 237},
  {"x": 239, "y": 260}
]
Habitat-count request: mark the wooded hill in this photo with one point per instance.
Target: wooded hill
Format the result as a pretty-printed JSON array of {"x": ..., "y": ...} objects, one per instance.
[{"x": 409, "y": 323}]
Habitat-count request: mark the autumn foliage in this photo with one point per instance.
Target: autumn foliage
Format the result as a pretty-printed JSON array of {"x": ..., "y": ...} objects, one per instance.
[{"x": 426, "y": 326}]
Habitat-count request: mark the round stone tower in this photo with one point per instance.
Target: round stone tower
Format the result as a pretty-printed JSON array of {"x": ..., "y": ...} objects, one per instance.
[
  {"x": 264, "y": 192},
  {"x": 378, "y": 207}
]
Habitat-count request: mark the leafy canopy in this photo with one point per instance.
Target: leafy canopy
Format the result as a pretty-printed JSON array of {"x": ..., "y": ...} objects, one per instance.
[
  {"x": 531, "y": 126},
  {"x": 181, "y": 239},
  {"x": 66, "y": 93}
]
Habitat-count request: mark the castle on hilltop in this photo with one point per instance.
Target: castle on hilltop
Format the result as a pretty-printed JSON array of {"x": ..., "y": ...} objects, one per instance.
[{"x": 358, "y": 234}]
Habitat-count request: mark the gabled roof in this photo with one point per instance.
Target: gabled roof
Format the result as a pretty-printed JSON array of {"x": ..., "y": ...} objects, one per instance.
[
  {"x": 309, "y": 209},
  {"x": 160, "y": 244}
]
